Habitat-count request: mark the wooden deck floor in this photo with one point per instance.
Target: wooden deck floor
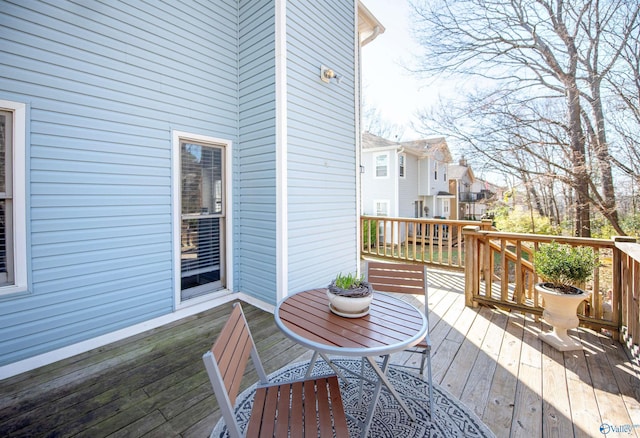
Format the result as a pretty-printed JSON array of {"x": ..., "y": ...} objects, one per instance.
[{"x": 154, "y": 384}]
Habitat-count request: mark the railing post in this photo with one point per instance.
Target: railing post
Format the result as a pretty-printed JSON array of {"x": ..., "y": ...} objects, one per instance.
[
  {"x": 617, "y": 295},
  {"x": 487, "y": 224},
  {"x": 472, "y": 267}
]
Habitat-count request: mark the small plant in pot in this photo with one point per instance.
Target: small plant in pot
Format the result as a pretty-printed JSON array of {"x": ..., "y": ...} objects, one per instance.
[
  {"x": 350, "y": 296},
  {"x": 562, "y": 268}
]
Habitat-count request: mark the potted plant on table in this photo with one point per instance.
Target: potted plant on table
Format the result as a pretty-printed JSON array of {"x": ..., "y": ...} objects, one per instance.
[
  {"x": 350, "y": 296},
  {"x": 562, "y": 269}
]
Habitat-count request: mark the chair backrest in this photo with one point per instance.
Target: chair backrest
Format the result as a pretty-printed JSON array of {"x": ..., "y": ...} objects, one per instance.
[
  {"x": 403, "y": 278},
  {"x": 226, "y": 363}
]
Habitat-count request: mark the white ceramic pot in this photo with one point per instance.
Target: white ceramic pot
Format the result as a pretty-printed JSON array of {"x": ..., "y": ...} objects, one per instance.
[
  {"x": 350, "y": 307},
  {"x": 560, "y": 311}
]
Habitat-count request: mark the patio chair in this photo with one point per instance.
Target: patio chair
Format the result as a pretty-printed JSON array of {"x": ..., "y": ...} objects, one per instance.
[
  {"x": 406, "y": 278},
  {"x": 304, "y": 408}
]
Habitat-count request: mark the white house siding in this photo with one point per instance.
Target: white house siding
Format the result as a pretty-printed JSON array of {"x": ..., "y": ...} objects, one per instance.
[
  {"x": 321, "y": 161},
  {"x": 255, "y": 224},
  {"x": 379, "y": 188},
  {"x": 105, "y": 84},
  {"x": 408, "y": 187}
]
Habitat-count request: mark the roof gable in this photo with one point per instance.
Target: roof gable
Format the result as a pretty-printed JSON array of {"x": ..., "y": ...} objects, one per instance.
[{"x": 427, "y": 147}]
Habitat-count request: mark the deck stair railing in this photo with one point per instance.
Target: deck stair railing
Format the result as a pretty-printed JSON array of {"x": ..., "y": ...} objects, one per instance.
[{"x": 499, "y": 272}]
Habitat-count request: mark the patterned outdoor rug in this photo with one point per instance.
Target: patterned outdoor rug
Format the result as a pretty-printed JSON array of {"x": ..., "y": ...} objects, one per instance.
[{"x": 451, "y": 419}]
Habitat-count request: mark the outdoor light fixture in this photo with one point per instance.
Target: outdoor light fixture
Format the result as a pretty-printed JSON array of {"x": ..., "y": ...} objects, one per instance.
[{"x": 326, "y": 74}]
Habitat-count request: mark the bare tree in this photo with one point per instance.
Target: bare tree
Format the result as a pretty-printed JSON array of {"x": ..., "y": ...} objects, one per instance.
[{"x": 536, "y": 55}]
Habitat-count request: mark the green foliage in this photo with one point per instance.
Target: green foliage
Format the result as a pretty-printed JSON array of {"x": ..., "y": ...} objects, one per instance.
[
  {"x": 348, "y": 281},
  {"x": 631, "y": 224},
  {"x": 517, "y": 221},
  {"x": 564, "y": 265},
  {"x": 601, "y": 228},
  {"x": 370, "y": 232}
]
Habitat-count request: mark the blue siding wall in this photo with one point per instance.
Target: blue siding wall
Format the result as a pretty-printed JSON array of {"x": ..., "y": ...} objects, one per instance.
[
  {"x": 255, "y": 224},
  {"x": 322, "y": 142},
  {"x": 106, "y": 82}
]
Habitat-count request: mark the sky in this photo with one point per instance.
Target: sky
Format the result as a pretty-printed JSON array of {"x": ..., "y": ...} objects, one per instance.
[{"x": 387, "y": 86}]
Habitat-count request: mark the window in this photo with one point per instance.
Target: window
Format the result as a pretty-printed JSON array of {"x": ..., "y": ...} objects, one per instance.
[
  {"x": 401, "y": 165},
  {"x": 202, "y": 214},
  {"x": 13, "y": 261},
  {"x": 382, "y": 164},
  {"x": 435, "y": 171},
  {"x": 382, "y": 208}
]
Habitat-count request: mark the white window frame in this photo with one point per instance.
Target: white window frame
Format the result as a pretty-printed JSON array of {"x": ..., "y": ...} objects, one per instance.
[
  {"x": 446, "y": 207},
  {"x": 177, "y": 138},
  {"x": 402, "y": 165},
  {"x": 19, "y": 231},
  {"x": 386, "y": 166},
  {"x": 381, "y": 202}
]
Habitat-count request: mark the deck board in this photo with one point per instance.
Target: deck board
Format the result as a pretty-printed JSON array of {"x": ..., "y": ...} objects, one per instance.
[{"x": 154, "y": 384}]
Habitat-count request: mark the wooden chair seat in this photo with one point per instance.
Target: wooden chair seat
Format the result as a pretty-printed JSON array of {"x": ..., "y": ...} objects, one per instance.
[
  {"x": 306, "y": 408},
  {"x": 303, "y": 409}
]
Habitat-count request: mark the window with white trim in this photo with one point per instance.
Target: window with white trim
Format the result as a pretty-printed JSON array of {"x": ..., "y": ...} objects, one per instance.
[
  {"x": 13, "y": 263},
  {"x": 381, "y": 208},
  {"x": 382, "y": 165},
  {"x": 402, "y": 158}
]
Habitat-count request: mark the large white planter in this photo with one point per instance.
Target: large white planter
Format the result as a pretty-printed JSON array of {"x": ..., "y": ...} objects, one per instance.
[{"x": 560, "y": 311}]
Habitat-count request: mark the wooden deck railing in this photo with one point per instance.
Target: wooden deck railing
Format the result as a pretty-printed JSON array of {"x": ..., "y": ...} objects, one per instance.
[
  {"x": 433, "y": 241},
  {"x": 627, "y": 262},
  {"x": 499, "y": 270}
]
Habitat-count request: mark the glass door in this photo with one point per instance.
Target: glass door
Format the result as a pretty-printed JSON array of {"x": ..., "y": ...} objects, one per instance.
[{"x": 202, "y": 219}]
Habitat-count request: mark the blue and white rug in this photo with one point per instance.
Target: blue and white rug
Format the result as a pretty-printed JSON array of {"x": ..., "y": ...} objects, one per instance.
[{"x": 451, "y": 417}]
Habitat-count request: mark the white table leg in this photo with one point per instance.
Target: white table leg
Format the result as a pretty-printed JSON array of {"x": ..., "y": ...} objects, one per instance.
[{"x": 312, "y": 363}]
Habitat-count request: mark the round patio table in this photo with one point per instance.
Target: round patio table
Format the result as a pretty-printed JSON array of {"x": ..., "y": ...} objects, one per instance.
[{"x": 391, "y": 326}]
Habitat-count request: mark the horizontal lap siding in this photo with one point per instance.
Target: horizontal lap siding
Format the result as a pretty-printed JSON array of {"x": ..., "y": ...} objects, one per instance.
[
  {"x": 321, "y": 142},
  {"x": 106, "y": 83},
  {"x": 255, "y": 225}
]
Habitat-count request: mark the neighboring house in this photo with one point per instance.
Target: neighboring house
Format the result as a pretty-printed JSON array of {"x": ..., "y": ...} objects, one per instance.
[
  {"x": 473, "y": 195},
  {"x": 161, "y": 158},
  {"x": 405, "y": 179}
]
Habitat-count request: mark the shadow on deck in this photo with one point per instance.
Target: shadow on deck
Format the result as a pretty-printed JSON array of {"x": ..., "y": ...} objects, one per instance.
[{"x": 154, "y": 384}]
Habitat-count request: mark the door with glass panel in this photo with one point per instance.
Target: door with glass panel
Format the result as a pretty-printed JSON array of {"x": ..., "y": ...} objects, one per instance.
[{"x": 202, "y": 219}]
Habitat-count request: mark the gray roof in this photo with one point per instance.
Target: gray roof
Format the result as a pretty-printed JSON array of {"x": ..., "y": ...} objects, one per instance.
[
  {"x": 423, "y": 147},
  {"x": 457, "y": 171}
]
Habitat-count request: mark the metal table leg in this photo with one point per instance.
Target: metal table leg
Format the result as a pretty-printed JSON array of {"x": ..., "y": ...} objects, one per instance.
[{"x": 382, "y": 379}]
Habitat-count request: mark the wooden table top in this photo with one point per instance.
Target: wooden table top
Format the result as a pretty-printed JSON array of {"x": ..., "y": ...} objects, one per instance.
[{"x": 392, "y": 325}]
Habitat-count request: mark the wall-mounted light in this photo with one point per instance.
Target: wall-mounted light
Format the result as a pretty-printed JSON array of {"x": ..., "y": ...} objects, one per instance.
[
  {"x": 361, "y": 168},
  {"x": 326, "y": 74}
]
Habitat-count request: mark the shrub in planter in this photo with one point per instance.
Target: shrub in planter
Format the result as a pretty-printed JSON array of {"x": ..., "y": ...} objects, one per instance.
[{"x": 563, "y": 268}]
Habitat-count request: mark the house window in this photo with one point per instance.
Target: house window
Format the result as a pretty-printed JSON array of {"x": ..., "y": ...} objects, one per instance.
[
  {"x": 382, "y": 208},
  {"x": 13, "y": 261},
  {"x": 202, "y": 216},
  {"x": 401, "y": 165},
  {"x": 435, "y": 171},
  {"x": 382, "y": 165}
]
